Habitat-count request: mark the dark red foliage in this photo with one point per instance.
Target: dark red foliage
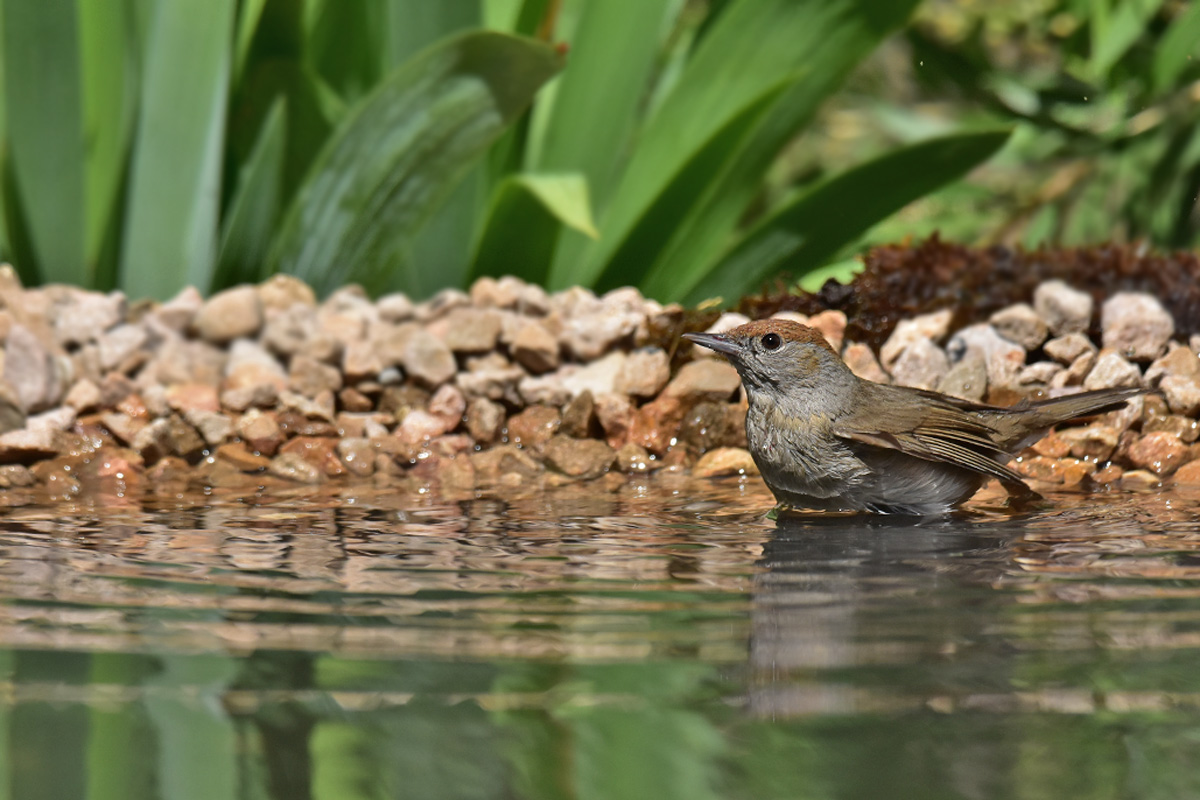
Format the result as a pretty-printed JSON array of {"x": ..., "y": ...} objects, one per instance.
[{"x": 901, "y": 281}]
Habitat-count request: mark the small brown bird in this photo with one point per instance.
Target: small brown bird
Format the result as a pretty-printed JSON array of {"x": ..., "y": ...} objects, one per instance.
[{"x": 826, "y": 439}]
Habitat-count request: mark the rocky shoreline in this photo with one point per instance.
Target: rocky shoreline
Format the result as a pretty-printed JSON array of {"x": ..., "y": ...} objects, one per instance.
[{"x": 508, "y": 388}]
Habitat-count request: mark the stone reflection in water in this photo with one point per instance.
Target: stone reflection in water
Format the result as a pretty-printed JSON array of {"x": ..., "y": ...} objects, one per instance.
[{"x": 565, "y": 573}]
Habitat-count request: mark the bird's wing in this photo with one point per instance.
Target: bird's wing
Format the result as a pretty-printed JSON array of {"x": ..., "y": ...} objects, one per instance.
[{"x": 932, "y": 431}]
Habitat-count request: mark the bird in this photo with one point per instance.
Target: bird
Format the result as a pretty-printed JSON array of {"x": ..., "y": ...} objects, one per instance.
[{"x": 825, "y": 439}]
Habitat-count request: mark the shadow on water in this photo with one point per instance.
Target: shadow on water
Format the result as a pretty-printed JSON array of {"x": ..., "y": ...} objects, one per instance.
[{"x": 643, "y": 643}]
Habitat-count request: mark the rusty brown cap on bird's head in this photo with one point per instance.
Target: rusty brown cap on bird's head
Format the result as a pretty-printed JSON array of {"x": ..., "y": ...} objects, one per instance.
[{"x": 786, "y": 329}]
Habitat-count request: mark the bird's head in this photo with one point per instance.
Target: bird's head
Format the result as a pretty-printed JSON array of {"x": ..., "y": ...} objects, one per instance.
[{"x": 776, "y": 354}]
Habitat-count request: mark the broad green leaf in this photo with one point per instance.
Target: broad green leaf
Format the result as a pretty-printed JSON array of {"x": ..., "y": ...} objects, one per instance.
[
  {"x": 45, "y": 116},
  {"x": 596, "y": 105},
  {"x": 442, "y": 247},
  {"x": 400, "y": 152},
  {"x": 247, "y": 23},
  {"x": 1178, "y": 47},
  {"x": 1114, "y": 30},
  {"x": 803, "y": 234},
  {"x": 171, "y": 230},
  {"x": 523, "y": 226},
  {"x": 409, "y": 26},
  {"x": 596, "y": 102},
  {"x": 749, "y": 50},
  {"x": 345, "y": 47},
  {"x": 648, "y": 239},
  {"x": 840, "y": 271},
  {"x": 109, "y": 61},
  {"x": 250, "y": 221}
]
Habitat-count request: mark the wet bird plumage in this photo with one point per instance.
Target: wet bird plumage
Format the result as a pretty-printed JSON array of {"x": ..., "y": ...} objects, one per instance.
[{"x": 824, "y": 438}]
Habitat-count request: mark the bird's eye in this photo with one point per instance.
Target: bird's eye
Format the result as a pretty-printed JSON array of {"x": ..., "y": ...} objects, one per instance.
[{"x": 772, "y": 341}]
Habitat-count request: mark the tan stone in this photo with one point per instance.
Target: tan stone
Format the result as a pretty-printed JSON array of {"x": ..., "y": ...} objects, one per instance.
[{"x": 724, "y": 461}]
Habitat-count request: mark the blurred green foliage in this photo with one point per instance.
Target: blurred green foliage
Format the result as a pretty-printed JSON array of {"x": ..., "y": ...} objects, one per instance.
[
  {"x": 404, "y": 144},
  {"x": 1104, "y": 96}
]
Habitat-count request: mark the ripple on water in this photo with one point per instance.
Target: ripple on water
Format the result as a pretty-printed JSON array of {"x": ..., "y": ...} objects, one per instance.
[{"x": 668, "y": 625}]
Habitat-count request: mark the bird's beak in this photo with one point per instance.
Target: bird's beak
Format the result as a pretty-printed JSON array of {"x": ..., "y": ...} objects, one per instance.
[{"x": 714, "y": 341}]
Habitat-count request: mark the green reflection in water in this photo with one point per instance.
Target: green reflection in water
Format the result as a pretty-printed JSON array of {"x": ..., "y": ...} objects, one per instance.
[{"x": 659, "y": 651}]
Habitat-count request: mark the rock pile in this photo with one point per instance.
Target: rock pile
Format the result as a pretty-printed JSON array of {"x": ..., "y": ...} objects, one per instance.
[{"x": 508, "y": 387}]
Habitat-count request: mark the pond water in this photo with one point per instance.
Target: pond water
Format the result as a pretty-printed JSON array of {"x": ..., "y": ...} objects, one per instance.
[{"x": 663, "y": 640}]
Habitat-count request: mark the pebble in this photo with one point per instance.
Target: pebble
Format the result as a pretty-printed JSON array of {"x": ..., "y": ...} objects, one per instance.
[
  {"x": 598, "y": 377},
  {"x": 260, "y": 431},
  {"x": 1003, "y": 359},
  {"x": 83, "y": 396},
  {"x": 1182, "y": 394},
  {"x": 644, "y": 373},
  {"x": 534, "y": 426},
  {"x": 293, "y": 467},
  {"x": 1136, "y": 325},
  {"x": 123, "y": 347},
  {"x": 1063, "y": 309},
  {"x": 704, "y": 380},
  {"x": 1159, "y": 452},
  {"x": 81, "y": 316},
  {"x": 310, "y": 377},
  {"x": 615, "y": 414},
  {"x": 502, "y": 461},
  {"x": 579, "y": 416},
  {"x": 922, "y": 365},
  {"x": 967, "y": 379},
  {"x": 428, "y": 360},
  {"x": 1067, "y": 348},
  {"x": 1020, "y": 324},
  {"x": 36, "y": 376},
  {"x": 633, "y": 459},
  {"x": 832, "y": 325},
  {"x": 1179, "y": 361},
  {"x": 724, "y": 461},
  {"x": 281, "y": 292},
  {"x": 1188, "y": 474},
  {"x": 933, "y": 326},
  {"x": 471, "y": 330},
  {"x": 579, "y": 458},
  {"x": 232, "y": 314},
  {"x": 1096, "y": 442},
  {"x": 485, "y": 420},
  {"x": 1112, "y": 371},
  {"x": 862, "y": 362},
  {"x": 1040, "y": 373},
  {"x": 536, "y": 348}
]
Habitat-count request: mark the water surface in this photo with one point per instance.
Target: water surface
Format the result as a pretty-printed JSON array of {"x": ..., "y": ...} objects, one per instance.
[{"x": 664, "y": 640}]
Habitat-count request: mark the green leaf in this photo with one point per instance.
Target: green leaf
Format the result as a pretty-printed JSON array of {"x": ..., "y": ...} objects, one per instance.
[
  {"x": 248, "y": 17},
  {"x": 840, "y": 271},
  {"x": 108, "y": 55},
  {"x": 409, "y": 26},
  {"x": 400, "y": 152},
  {"x": 45, "y": 117},
  {"x": 596, "y": 102},
  {"x": 754, "y": 47},
  {"x": 171, "y": 230},
  {"x": 1114, "y": 30},
  {"x": 250, "y": 222},
  {"x": 1178, "y": 47},
  {"x": 442, "y": 247},
  {"x": 523, "y": 226},
  {"x": 803, "y": 234}
]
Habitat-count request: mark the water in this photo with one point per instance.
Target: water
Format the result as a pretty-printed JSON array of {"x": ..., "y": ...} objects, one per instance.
[{"x": 664, "y": 640}]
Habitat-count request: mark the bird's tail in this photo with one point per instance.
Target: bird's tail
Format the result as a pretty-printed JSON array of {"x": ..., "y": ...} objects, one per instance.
[{"x": 1039, "y": 415}]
